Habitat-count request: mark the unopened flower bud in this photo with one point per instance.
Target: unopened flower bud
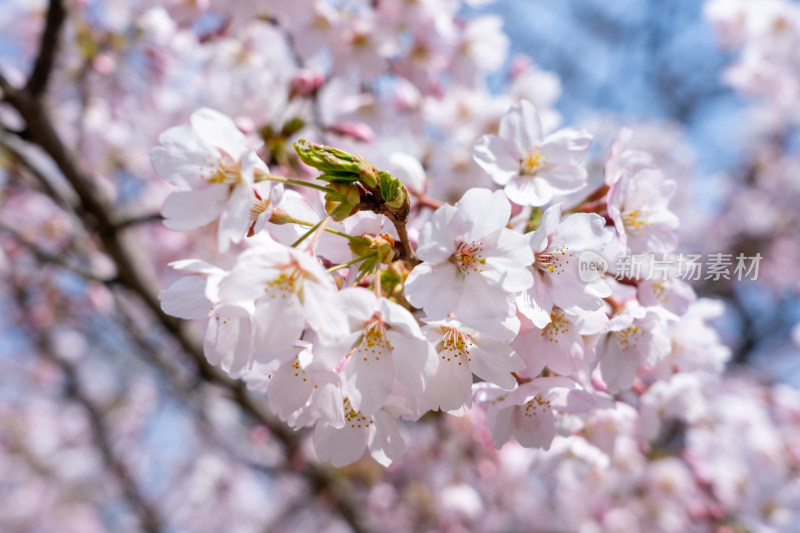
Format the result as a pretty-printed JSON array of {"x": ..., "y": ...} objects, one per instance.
[
  {"x": 344, "y": 202},
  {"x": 305, "y": 83},
  {"x": 381, "y": 248},
  {"x": 337, "y": 166},
  {"x": 357, "y": 130}
]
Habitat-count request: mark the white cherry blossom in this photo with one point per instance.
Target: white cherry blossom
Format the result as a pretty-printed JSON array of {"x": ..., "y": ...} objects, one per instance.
[
  {"x": 286, "y": 288},
  {"x": 637, "y": 204},
  {"x": 533, "y": 168},
  {"x": 303, "y": 379},
  {"x": 462, "y": 351},
  {"x": 557, "y": 346},
  {"x": 384, "y": 343},
  {"x": 557, "y": 245},
  {"x": 346, "y": 444},
  {"x": 472, "y": 263},
  {"x": 527, "y": 413},
  {"x": 214, "y": 170},
  {"x": 636, "y": 336}
]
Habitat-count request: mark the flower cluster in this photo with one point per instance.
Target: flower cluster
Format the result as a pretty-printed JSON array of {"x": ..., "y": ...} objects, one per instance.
[{"x": 393, "y": 304}]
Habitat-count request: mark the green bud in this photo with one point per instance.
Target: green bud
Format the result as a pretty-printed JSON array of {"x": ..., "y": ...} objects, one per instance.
[
  {"x": 343, "y": 202},
  {"x": 337, "y": 166},
  {"x": 381, "y": 248},
  {"x": 393, "y": 192},
  {"x": 280, "y": 217}
]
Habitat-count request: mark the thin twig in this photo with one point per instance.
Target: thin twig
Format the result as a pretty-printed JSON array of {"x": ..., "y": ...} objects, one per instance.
[{"x": 46, "y": 257}]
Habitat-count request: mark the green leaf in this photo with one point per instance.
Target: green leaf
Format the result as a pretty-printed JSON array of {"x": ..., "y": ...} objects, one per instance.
[{"x": 389, "y": 186}]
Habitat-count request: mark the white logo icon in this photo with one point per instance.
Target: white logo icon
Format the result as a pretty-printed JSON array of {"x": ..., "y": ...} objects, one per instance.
[{"x": 591, "y": 266}]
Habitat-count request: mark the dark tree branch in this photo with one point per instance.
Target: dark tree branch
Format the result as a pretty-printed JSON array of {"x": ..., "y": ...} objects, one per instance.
[
  {"x": 43, "y": 67},
  {"x": 140, "y": 219}
]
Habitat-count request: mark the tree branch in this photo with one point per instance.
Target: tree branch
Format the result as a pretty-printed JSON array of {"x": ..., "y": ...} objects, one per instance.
[
  {"x": 43, "y": 67},
  {"x": 97, "y": 216}
]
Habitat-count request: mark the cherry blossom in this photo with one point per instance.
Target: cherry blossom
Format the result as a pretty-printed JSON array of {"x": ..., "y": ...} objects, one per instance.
[
  {"x": 637, "y": 203},
  {"x": 384, "y": 342},
  {"x": 469, "y": 256},
  {"x": 214, "y": 171},
  {"x": 557, "y": 279},
  {"x": 284, "y": 286},
  {"x": 378, "y": 432},
  {"x": 462, "y": 351},
  {"x": 528, "y": 412},
  {"x": 635, "y": 336},
  {"x": 533, "y": 168}
]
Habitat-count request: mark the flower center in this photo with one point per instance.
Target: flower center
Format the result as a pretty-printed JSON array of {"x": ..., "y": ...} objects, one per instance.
[
  {"x": 260, "y": 206},
  {"x": 455, "y": 346},
  {"x": 536, "y": 406},
  {"x": 559, "y": 325},
  {"x": 225, "y": 170},
  {"x": 285, "y": 284},
  {"x": 374, "y": 342},
  {"x": 354, "y": 418},
  {"x": 534, "y": 159},
  {"x": 660, "y": 291},
  {"x": 553, "y": 260},
  {"x": 467, "y": 257},
  {"x": 629, "y": 337},
  {"x": 636, "y": 219}
]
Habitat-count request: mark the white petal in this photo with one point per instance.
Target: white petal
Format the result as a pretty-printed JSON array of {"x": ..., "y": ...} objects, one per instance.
[
  {"x": 187, "y": 210},
  {"x": 235, "y": 218},
  {"x": 494, "y": 361},
  {"x": 450, "y": 388},
  {"x": 497, "y": 157},
  {"x": 527, "y": 190},
  {"x": 340, "y": 446},
  {"x": 228, "y": 341},
  {"x": 503, "y": 426},
  {"x": 522, "y": 126},
  {"x": 369, "y": 376},
  {"x": 385, "y": 444},
  {"x": 535, "y": 430},
  {"x": 279, "y": 323},
  {"x": 486, "y": 211},
  {"x": 583, "y": 231},
  {"x": 186, "y": 299},
  {"x": 413, "y": 361},
  {"x": 563, "y": 179},
  {"x": 328, "y": 400},
  {"x": 435, "y": 288},
  {"x": 289, "y": 389},
  {"x": 567, "y": 146},
  {"x": 536, "y": 303},
  {"x": 218, "y": 130},
  {"x": 437, "y": 237},
  {"x": 183, "y": 158}
]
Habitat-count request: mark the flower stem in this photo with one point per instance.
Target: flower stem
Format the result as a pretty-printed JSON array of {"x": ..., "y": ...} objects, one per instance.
[
  {"x": 260, "y": 176},
  {"x": 305, "y": 235},
  {"x": 285, "y": 219},
  {"x": 349, "y": 263}
]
